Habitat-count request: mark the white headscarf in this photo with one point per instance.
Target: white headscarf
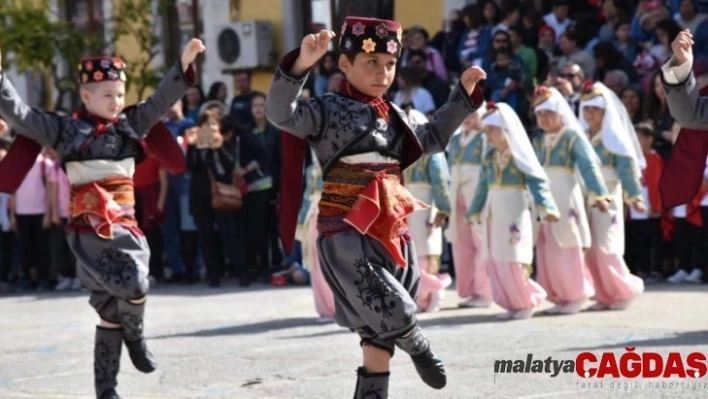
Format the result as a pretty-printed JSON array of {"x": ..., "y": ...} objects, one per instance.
[
  {"x": 524, "y": 155},
  {"x": 618, "y": 134},
  {"x": 557, "y": 103}
]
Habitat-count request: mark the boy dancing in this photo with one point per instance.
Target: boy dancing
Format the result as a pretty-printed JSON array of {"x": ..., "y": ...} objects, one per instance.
[
  {"x": 363, "y": 142},
  {"x": 99, "y": 146}
]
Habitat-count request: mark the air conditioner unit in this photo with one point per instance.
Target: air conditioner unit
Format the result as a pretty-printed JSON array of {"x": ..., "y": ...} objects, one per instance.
[{"x": 244, "y": 45}]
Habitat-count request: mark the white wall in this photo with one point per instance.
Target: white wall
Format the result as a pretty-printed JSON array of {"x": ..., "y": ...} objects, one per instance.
[{"x": 215, "y": 14}]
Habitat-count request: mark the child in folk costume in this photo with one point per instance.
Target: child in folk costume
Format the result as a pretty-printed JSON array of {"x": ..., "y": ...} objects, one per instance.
[
  {"x": 363, "y": 142},
  {"x": 502, "y": 206},
  {"x": 99, "y": 146},
  {"x": 428, "y": 179},
  {"x": 307, "y": 235},
  {"x": 613, "y": 138},
  {"x": 562, "y": 148},
  {"x": 464, "y": 155}
]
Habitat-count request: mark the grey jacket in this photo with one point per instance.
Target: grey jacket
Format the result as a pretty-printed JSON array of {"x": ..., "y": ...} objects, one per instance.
[
  {"x": 75, "y": 140},
  {"x": 338, "y": 126},
  {"x": 682, "y": 95}
]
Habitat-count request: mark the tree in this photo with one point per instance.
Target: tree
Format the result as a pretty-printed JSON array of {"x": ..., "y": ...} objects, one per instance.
[
  {"x": 31, "y": 41},
  {"x": 134, "y": 18}
]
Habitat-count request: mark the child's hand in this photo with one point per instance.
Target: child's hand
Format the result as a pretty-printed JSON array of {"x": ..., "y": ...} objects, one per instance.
[
  {"x": 193, "y": 48},
  {"x": 639, "y": 207},
  {"x": 217, "y": 140},
  {"x": 46, "y": 221},
  {"x": 603, "y": 205},
  {"x": 471, "y": 76},
  {"x": 682, "y": 46},
  {"x": 313, "y": 47},
  {"x": 551, "y": 218},
  {"x": 191, "y": 135}
]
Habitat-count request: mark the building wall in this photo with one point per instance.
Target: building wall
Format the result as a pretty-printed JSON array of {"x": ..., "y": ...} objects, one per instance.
[
  {"x": 427, "y": 13},
  {"x": 408, "y": 12},
  {"x": 270, "y": 10},
  {"x": 217, "y": 12},
  {"x": 128, "y": 47}
]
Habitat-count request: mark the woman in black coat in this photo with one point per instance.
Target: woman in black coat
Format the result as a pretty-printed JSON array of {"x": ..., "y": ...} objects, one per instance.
[{"x": 209, "y": 156}]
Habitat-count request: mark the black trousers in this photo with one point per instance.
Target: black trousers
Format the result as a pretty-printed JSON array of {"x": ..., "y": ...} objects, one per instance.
[
  {"x": 7, "y": 254},
  {"x": 63, "y": 259},
  {"x": 255, "y": 213},
  {"x": 212, "y": 241},
  {"x": 34, "y": 241},
  {"x": 687, "y": 241},
  {"x": 648, "y": 245}
]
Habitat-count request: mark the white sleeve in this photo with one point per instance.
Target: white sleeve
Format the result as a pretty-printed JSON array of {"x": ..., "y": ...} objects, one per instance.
[{"x": 675, "y": 74}]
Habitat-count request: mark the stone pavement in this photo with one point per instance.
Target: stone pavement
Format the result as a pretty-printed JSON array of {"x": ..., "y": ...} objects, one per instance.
[{"x": 264, "y": 342}]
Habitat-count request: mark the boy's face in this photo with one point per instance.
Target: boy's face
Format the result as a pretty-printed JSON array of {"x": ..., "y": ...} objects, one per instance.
[
  {"x": 104, "y": 99},
  {"x": 372, "y": 74}
]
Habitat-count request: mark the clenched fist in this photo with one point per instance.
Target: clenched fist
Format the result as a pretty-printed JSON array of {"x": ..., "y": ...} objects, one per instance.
[
  {"x": 471, "y": 76},
  {"x": 193, "y": 48},
  {"x": 682, "y": 46},
  {"x": 313, "y": 47}
]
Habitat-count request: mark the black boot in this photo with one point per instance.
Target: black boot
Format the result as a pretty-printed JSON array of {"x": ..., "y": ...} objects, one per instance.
[
  {"x": 131, "y": 317},
  {"x": 106, "y": 361},
  {"x": 371, "y": 386},
  {"x": 428, "y": 366}
]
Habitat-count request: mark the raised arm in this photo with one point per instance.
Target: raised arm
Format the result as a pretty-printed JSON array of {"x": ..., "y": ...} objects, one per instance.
[
  {"x": 466, "y": 98},
  {"x": 285, "y": 109},
  {"x": 682, "y": 94},
  {"x": 172, "y": 87},
  {"x": 42, "y": 127}
]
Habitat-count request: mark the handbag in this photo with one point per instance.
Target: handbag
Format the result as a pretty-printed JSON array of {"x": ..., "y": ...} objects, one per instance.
[
  {"x": 228, "y": 197},
  {"x": 225, "y": 197}
]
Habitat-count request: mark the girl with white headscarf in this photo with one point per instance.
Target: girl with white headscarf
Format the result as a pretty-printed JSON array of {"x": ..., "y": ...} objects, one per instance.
[
  {"x": 503, "y": 207},
  {"x": 615, "y": 142},
  {"x": 306, "y": 233},
  {"x": 464, "y": 155},
  {"x": 572, "y": 165},
  {"x": 428, "y": 180}
]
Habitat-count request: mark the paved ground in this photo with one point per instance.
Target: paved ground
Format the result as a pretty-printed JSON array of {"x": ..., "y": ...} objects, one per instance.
[{"x": 264, "y": 342}]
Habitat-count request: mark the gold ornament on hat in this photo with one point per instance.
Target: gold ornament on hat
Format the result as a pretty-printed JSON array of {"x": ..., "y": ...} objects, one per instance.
[
  {"x": 541, "y": 94},
  {"x": 368, "y": 46}
]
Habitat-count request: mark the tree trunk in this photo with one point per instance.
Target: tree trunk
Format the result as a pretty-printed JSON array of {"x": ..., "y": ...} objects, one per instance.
[
  {"x": 197, "y": 33},
  {"x": 47, "y": 89}
]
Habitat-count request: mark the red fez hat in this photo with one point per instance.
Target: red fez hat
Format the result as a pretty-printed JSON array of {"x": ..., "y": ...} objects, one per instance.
[
  {"x": 101, "y": 69},
  {"x": 371, "y": 35}
]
